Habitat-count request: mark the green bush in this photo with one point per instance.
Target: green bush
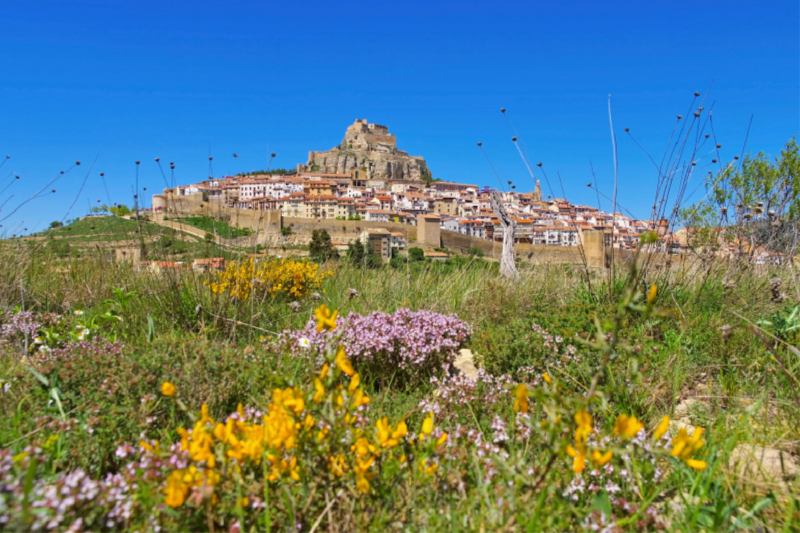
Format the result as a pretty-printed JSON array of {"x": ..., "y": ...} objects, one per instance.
[{"x": 416, "y": 254}]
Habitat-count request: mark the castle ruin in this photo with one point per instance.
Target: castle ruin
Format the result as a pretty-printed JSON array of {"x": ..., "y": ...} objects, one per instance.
[{"x": 371, "y": 148}]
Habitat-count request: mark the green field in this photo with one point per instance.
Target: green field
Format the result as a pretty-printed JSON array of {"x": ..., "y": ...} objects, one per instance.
[{"x": 563, "y": 356}]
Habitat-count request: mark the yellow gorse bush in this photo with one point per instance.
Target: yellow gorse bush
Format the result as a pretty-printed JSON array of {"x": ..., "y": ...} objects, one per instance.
[{"x": 275, "y": 277}]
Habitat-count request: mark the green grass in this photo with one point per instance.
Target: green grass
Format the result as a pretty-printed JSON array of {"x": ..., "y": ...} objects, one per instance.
[
  {"x": 215, "y": 227},
  {"x": 219, "y": 351}
]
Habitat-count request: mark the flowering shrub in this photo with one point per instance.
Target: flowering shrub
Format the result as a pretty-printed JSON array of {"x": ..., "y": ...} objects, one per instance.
[
  {"x": 415, "y": 343},
  {"x": 272, "y": 278}
]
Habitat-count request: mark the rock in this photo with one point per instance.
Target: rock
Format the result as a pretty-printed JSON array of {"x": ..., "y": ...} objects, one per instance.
[
  {"x": 372, "y": 148},
  {"x": 763, "y": 462},
  {"x": 684, "y": 408},
  {"x": 465, "y": 363}
]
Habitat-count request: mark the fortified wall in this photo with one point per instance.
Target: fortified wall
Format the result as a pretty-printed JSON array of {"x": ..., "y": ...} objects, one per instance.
[{"x": 267, "y": 227}]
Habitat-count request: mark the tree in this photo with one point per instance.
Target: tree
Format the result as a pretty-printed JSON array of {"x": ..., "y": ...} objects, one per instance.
[
  {"x": 416, "y": 254},
  {"x": 508, "y": 267},
  {"x": 752, "y": 204},
  {"x": 320, "y": 249},
  {"x": 120, "y": 210},
  {"x": 355, "y": 252},
  {"x": 209, "y": 238},
  {"x": 55, "y": 224}
]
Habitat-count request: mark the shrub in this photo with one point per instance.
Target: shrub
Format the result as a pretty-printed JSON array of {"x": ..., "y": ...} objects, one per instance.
[
  {"x": 416, "y": 254},
  {"x": 273, "y": 278},
  {"x": 403, "y": 347},
  {"x": 476, "y": 251}
]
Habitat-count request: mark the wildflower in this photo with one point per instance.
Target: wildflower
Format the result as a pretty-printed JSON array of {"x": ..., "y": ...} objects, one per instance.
[
  {"x": 600, "y": 459},
  {"x": 304, "y": 342},
  {"x": 684, "y": 446},
  {"x": 547, "y": 378},
  {"x": 294, "y": 306},
  {"x": 319, "y": 393},
  {"x": 324, "y": 372},
  {"x": 167, "y": 389},
  {"x": 427, "y": 427},
  {"x": 359, "y": 399},
  {"x": 441, "y": 440},
  {"x": 337, "y": 465},
  {"x": 627, "y": 426},
  {"x": 521, "y": 401},
  {"x": 387, "y": 437},
  {"x": 325, "y": 319},
  {"x": 661, "y": 429},
  {"x": 20, "y": 457},
  {"x": 175, "y": 490},
  {"x": 78, "y": 312},
  {"x": 352, "y": 293},
  {"x": 578, "y": 453},
  {"x": 37, "y": 340},
  {"x": 584, "y": 421},
  {"x": 362, "y": 448},
  {"x": 343, "y": 363},
  {"x": 355, "y": 381},
  {"x": 651, "y": 294}
]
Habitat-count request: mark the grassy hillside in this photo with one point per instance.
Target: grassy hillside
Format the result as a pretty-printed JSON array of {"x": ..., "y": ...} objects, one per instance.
[{"x": 109, "y": 232}]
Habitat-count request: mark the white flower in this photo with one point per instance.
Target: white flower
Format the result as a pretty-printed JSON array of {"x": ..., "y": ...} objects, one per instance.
[
  {"x": 80, "y": 327},
  {"x": 78, "y": 313},
  {"x": 305, "y": 343},
  {"x": 37, "y": 340}
]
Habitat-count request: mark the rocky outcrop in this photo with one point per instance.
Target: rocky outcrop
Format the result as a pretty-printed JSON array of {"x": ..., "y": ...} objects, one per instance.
[{"x": 372, "y": 148}]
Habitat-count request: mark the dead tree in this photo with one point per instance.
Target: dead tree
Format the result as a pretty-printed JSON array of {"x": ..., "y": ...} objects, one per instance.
[{"x": 508, "y": 267}]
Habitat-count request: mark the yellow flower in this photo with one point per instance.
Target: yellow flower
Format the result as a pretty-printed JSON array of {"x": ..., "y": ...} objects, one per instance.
[
  {"x": 600, "y": 459},
  {"x": 355, "y": 381},
  {"x": 184, "y": 439},
  {"x": 584, "y": 421},
  {"x": 521, "y": 401},
  {"x": 325, "y": 319},
  {"x": 324, "y": 372},
  {"x": 362, "y": 485},
  {"x": 661, "y": 429},
  {"x": 627, "y": 426},
  {"x": 427, "y": 469},
  {"x": 547, "y": 378},
  {"x": 696, "y": 464},
  {"x": 427, "y": 427},
  {"x": 175, "y": 490},
  {"x": 684, "y": 446},
  {"x": 343, "y": 363},
  {"x": 579, "y": 457},
  {"x": 651, "y": 294},
  {"x": 167, "y": 389},
  {"x": 337, "y": 465},
  {"x": 363, "y": 448},
  {"x": 319, "y": 393},
  {"x": 21, "y": 456},
  {"x": 441, "y": 440},
  {"x": 359, "y": 399}
]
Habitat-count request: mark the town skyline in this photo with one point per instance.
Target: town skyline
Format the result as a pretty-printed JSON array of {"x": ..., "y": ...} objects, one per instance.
[{"x": 135, "y": 82}]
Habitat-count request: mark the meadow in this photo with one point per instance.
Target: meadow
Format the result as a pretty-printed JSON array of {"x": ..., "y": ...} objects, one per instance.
[{"x": 287, "y": 395}]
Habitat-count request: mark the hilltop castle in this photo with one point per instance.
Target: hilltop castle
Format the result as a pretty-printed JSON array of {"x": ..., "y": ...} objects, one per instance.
[{"x": 371, "y": 148}]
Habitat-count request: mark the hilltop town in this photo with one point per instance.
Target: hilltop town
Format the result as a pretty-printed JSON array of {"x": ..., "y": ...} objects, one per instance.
[{"x": 367, "y": 178}]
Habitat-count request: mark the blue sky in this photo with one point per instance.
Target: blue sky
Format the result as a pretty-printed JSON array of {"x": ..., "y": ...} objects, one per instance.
[{"x": 126, "y": 81}]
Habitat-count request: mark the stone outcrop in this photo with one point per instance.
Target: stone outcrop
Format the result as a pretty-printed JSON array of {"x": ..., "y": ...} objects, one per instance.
[{"x": 372, "y": 148}]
